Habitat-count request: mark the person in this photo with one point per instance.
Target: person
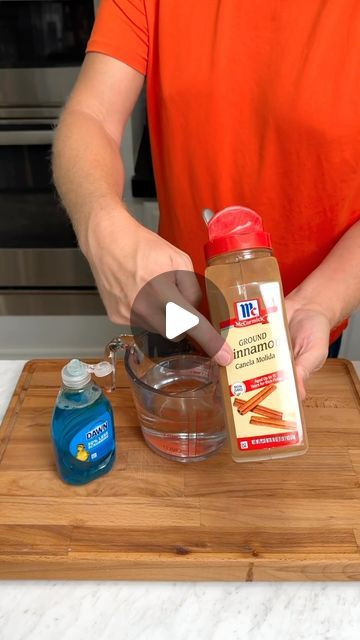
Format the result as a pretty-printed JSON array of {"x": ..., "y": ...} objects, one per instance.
[{"x": 252, "y": 103}]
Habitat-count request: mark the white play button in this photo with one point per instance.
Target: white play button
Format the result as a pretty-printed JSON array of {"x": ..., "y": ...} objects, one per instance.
[{"x": 178, "y": 320}]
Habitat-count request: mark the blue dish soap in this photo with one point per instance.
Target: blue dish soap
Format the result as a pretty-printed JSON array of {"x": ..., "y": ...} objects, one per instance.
[{"x": 82, "y": 427}]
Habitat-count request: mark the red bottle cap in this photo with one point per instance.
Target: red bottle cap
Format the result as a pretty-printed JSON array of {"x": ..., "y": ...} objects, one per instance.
[{"x": 235, "y": 228}]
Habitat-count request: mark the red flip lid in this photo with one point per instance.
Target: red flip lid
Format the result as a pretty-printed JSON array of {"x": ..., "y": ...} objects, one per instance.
[{"x": 235, "y": 228}]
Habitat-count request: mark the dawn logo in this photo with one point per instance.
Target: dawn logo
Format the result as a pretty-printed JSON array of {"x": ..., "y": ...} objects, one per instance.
[{"x": 247, "y": 310}]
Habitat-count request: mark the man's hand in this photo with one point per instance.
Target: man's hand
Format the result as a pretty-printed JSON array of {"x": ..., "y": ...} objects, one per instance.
[
  {"x": 126, "y": 258},
  {"x": 89, "y": 175},
  {"x": 309, "y": 330},
  {"x": 322, "y": 301}
]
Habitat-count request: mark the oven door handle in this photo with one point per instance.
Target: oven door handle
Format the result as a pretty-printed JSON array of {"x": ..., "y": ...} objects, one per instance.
[{"x": 21, "y": 137}]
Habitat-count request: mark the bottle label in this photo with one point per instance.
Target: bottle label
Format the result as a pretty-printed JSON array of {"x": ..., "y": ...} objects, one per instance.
[
  {"x": 95, "y": 441},
  {"x": 261, "y": 378}
]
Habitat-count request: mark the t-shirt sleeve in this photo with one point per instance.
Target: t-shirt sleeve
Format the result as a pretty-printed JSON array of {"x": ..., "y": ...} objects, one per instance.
[{"x": 121, "y": 31}]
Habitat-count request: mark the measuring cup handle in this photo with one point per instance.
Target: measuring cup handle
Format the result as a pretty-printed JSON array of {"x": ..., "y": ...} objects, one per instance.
[{"x": 123, "y": 342}]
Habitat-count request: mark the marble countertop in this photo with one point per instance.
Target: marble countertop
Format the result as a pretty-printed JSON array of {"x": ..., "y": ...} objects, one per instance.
[{"x": 39, "y": 610}]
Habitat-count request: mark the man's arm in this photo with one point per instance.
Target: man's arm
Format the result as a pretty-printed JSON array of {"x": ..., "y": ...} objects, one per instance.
[
  {"x": 89, "y": 175},
  {"x": 325, "y": 298},
  {"x": 87, "y": 165},
  {"x": 334, "y": 287}
]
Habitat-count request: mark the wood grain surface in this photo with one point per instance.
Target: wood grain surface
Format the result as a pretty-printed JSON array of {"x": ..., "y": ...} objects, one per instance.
[{"x": 152, "y": 519}]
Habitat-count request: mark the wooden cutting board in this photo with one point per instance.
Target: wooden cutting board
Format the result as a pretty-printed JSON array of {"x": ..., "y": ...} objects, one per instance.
[{"x": 152, "y": 519}]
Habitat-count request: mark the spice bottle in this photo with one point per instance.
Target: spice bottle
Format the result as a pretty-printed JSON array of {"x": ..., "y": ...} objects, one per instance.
[{"x": 262, "y": 406}]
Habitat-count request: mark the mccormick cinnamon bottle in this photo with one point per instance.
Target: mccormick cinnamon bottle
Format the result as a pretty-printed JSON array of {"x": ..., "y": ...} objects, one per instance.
[{"x": 262, "y": 406}]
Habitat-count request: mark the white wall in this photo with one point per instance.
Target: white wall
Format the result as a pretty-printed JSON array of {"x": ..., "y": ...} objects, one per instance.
[{"x": 25, "y": 337}]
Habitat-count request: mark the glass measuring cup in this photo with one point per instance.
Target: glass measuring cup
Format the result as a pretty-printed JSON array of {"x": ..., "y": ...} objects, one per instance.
[{"x": 176, "y": 395}]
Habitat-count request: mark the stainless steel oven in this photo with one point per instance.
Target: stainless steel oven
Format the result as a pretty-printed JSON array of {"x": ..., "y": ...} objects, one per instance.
[
  {"x": 42, "y": 271},
  {"x": 42, "y": 44}
]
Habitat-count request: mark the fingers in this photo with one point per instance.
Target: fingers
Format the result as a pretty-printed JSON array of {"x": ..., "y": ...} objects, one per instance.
[
  {"x": 225, "y": 356},
  {"x": 149, "y": 312},
  {"x": 308, "y": 362},
  {"x": 309, "y": 332},
  {"x": 160, "y": 274},
  {"x": 203, "y": 333},
  {"x": 188, "y": 285},
  {"x": 211, "y": 341},
  {"x": 302, "y": 375}
]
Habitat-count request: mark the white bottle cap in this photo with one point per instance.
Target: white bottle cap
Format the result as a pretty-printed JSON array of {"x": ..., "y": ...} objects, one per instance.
[
  {"x": 101, "y": 369},
  {"x": 77, "y": 374}
]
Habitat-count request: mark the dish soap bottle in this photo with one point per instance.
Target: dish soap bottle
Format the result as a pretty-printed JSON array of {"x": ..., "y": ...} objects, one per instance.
[
  {"x": 83, "y": 425},
  {"x": 262, "y": 406}
]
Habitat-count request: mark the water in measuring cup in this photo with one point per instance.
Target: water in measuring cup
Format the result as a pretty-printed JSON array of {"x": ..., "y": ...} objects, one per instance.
[{"x": 185, "y": 420}]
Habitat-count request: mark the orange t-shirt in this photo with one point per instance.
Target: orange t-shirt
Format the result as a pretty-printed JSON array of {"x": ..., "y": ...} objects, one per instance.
[{"x": 253, "y": 103}]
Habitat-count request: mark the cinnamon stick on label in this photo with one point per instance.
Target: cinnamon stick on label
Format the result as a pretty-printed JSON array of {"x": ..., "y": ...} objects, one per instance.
[
  {"x": 257, "y": 398},
  {"x": 260, "y": 409},
  {"x": 270, "y": 422}
]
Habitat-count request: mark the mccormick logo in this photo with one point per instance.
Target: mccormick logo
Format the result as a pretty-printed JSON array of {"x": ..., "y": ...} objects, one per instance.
[
  {"x": 247, "y": 309},
  {"x": 249, "y": 312}
]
